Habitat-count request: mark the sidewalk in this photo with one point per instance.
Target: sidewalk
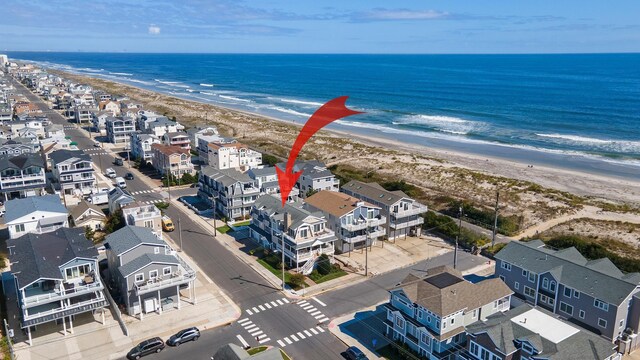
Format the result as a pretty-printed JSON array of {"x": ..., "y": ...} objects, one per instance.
[{"x": 346, "y": 328}]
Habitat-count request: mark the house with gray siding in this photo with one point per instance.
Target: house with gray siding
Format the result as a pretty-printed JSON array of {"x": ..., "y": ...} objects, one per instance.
[
  {"x": 404, "y": 214},
  {"x": 56, "y": 278},
  {"x": 267, "y": 181},
  {"x": 593, "y": 294},
  {"x": 315, "y": 177},
  {"x": 526, "y": 332},
  {"x": 429, "y": 313},
  {"x": 231, "y": 192},
  {"x": 149, "y": 274}
]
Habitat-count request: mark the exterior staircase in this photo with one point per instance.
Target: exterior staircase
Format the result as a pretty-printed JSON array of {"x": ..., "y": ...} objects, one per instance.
[{"x": 307, "y": 268}]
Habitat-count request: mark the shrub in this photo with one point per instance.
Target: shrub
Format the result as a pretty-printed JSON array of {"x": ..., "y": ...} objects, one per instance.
[
  {"x": 269, "y": 160},
  {"x": 323, "y": 265},
  {"x": 507, "y": 225},
  {"x": 296, "y": 280}
]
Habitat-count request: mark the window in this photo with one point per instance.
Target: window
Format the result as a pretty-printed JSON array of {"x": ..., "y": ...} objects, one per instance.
[
  {"x": 475, "y": 313},
  {"x": 516, "y": 285},
  {"x": 529, "y": 291},
  {"x": 419, "y": 314},
  {"x": 77, "y": 271},
  {"x": 552, "y": 286},
  {"x": 532, "y": 277},
  {"x": 19, "y": 228},
  {"x": 525, "y": 273},
  {"x": 166, "y": 271},
  {"x": 429, "y": 319},
  {"x": 601, "y": 305},
  {"x": 621, "y": 323},
  {"x": 438, "y": 324},
  {"x": 545, "y": 283},
  {"x": 303, "y": 233},
  {"x": 390, "y": 316},
  {"x": 506, "y": 266},
  {"x": 602, "y": 323},
  {"x": 425, "y": 338},
  {"x": 444, "y": 324},
  {"x": 400, "y": 322},
  {"x": 156, "y": 250},
  {"x": 153, "y": 274},
  {"x": 502, "y": 278},
  {"x": 148, "y": 224},
  {"x": 526, "y": 348},
  {"x": 566, "y": 308},
  {"x": 567, "y": 292},
  {"x": 139, "y": 278},
  {"x": 581, "y": 314},
  {"x": 453, "y": 320},
  {"x": 473, "y": 348}
]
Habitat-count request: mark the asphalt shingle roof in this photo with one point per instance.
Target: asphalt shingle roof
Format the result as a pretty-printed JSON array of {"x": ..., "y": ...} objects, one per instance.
[
  {"x": 374, "y": 192},
  {"x": 18, "y": 208},
  {"x": 35, "y": 256},
  {"x": 59, "y": 156},
  {"x": 226, "y": 177},
  {"x": 129, "y": 237},
  {"x": 272, "y": 204},
  {"x": 20, "y": 162},
  {"x": 144, "y": 260},
  {"x": 596, "y": 278}
]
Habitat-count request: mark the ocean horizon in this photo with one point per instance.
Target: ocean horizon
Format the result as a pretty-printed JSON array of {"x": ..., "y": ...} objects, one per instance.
[{"x": 582, "y": 107}]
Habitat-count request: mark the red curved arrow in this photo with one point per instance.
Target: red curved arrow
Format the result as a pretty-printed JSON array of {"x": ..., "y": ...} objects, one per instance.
[{"x": 333, "y": 110}]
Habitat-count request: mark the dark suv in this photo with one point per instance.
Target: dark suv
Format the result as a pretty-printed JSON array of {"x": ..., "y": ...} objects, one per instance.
[
  {"x": 353, "y": 353},
  {"x": 190, "y": 334},
  {"x": 154, "y": 345}
]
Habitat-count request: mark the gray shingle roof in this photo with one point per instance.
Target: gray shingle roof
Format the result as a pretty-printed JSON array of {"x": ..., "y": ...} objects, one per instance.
[
  {"x": 144, "y": 260},
  {"x": 503, "y": 332},
  {"x": 226, "y": 177},
  {"x": 595, "y": 278},
  {"x": 20, "y": 162},
  {"x": 373, "y": 192},
  {"x": 59, "y": 156},
  {"x": 18, "y": 208},
  {"x": 311, "y": 168},
  {"x": 272, "y": 204},
  {"x": 129, "y": 237},
  {"x": 35, "y": 256},
  {"x": 265, "y": 171}
]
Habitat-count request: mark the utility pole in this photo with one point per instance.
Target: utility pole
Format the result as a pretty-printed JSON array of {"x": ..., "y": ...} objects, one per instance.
[
  {"x": 495, "y": 221},
  {"x": 282, "y": 249},
  {"x": 455, "y": 251},
  {"x": 366, "y": 252},
  {"x": 215, "y": 230},
  {"x": 180, "y": 232}
]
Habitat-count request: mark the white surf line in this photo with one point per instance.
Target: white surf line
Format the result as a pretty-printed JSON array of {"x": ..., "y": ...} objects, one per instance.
[
  {"x": 318, "y": 301},
  {"x": 244, "y": 343}
]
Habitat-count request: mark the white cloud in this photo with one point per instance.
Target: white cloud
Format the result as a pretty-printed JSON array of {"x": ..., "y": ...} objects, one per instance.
[
  {"x": 154, "y": 30},
  {"x": 399, "y": 14}
]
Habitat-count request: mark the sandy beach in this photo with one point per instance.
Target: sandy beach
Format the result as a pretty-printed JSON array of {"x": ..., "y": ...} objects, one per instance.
[{"x": 539, "y": 193}]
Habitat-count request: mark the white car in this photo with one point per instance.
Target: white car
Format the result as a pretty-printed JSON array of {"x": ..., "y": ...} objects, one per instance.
[
  {"x": 110, "y": 173},
  {"x": 120, "y": 183}
]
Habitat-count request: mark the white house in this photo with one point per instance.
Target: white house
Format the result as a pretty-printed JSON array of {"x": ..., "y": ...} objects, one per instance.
[
  {"x": 35, "y": 214},
  {"x": 233, "y": 155}
]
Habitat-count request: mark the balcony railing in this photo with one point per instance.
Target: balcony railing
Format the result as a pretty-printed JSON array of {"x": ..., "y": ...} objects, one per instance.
[
  {"x": 363, "y": 224},
  {"x": 60, "y": 293},
  {"x": 306, "y": 255},
  {"x": 22, "y": 184},
  {"x": 373, "y": 235},
  {"x": 23, "y": 177},
  {"x": 163, "y": 282},
  {"x": 402, "y": 225},
  {"x": 415, "y": 209},
  {"x": 58, "y": 313}
]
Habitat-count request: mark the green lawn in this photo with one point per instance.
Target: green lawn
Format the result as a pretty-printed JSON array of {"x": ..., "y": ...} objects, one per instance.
[
  {"x": 330, "y": 276},
  {"x": 223, "y": 229},
  {"x": 266, "y": 262},
  {"x": 243, "y": 223},
  {"x": 256, "y": 350}
]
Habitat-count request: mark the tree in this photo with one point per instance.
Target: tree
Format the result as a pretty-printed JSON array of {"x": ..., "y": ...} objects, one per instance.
[
  {"x": 89, "y": 233},
  {"x": 311, "y": 192},
  {"x": 296, "y": 280},
  {"x": 188, "y": 178},
  {"x": 114, "y": 222}
]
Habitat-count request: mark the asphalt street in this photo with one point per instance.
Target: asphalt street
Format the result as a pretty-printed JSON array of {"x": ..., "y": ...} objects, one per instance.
[{"x": 281, "y": 321}]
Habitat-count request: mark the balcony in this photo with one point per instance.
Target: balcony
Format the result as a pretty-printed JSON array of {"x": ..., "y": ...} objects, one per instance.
[
  {"x": 24, "y": 177},
  {"x": 61, "y": 291},
  {"x": 165, "y": 281},
  {"x": 415, "y": 209},
  {"x": 64, "y": 311},
  {"x": 402, "y": 225},
  {"x": 373, "y": 235},
  {"x": 311, "y": 254},
  {"x": 362, "y": 224}
]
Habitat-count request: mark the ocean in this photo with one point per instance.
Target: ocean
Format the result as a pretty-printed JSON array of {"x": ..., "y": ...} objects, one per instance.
[{"x": 547, "y": 109}]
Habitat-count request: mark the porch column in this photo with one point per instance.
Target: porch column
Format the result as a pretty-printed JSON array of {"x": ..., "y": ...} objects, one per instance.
[
  {"x": 193, "y": 285},
  {"x": 64, "y": 326},
  {"x": 159, "y": 303},
  {"x": 71, "y": 324},
  {"x": 178, "y": 292},
  {"x": 141, "y": 308},
  {"x": 102, "y": 313},
  {"x": 29, "y": 336},
  {"x": 297, "y": 263}
]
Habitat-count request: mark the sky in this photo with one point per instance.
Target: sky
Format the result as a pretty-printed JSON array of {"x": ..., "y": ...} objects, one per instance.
[{"x": 326, "y": 26}]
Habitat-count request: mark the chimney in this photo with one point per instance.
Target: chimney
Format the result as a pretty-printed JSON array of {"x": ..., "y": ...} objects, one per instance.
[{"x": 287, "y": 221}]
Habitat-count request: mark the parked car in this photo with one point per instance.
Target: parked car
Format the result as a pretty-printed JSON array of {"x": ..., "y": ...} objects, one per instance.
[
  {"x": 96, "y": 144},
  {"x": 154, "y": 345},
  {"x": 117, "y": 161},
  {"x": 129, "y": 176},
  {"x": 353, "y": 353},
  {"x": 190, "y": 334},
  {"x": 110, "y": 173},
  {"x": 167, "y": 224},
  {"x": 120, "y": 183}
]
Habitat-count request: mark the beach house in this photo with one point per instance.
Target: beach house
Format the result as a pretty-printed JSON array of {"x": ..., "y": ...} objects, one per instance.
[
  {"x": 119, "y": 130},
  {"x": 267, "y": 181},
  {"x": 149, "y": 274},
  {"x": 162, "y": 125},
  {"x": 143, "y": 215},
  {"x": 111, "y": 106},
  {"x": 315, "y": 177},
  {"x": 83, "y": 113},
  {"x": 178, "y": 138},
  {"x": 305, "y": 234},
  {"x": 141, "y": 145},
  {"x": 429, "y": 312},
  {"x": 230, "y": 154},
  {"x": 404, "y": 214},
  {"x": 88, "y": 215},
  {"x": 356, "y": 223},
  {"x": 21, "y": 175},
  {"x": 170, "y": 159},
  {"x": 594, "y": 294},
  {"x": 35, "y": 214},
  {"x": 19, "y": 146},
  {"x": 118, "y": 198},
  {"x": 230, "y": 192},
  {"x": 73, "y": 171},
  {"x": 56, "y": 278}
]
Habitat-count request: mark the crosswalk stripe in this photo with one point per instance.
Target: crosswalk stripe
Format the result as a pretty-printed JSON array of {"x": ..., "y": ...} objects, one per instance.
[
  {"x": 281, "y": 343},
  {"x": 288, "y": 341},
  {"x": 260, "y": 337},
  {"x": 301, "y": 336},
  {"x": 250, "y": 326},
  {"x": 302, "y": 302},
  {"x": 319, "y": 316},
  {"x": 249, "y": 312},
  {"x": 267, "y": 306},
  {"x": 323, "y": 320},
  {"x": 285, "y": 300},
  {"x": 243, "y": 321},
  {"x": 264, "y": 340},
  {"x": 274, "y": 303},
  {"x": 261, "y": 307},
  {"x": 308, "y": 333},
  {"x": 318, "y": 301},
  {"x": 320, "y": 329},
  {"x": 244, "y": 343},
  {"x": 255, "y": 310},
  {"x": 314, "y": 331},
  {"x": 280, "y": 302},
  {"x": 307, "y": 307},
  {"x": 256, "y": 332},
  {"x": 294, "y": 338},
  {"x": 315, "y": 313}
]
